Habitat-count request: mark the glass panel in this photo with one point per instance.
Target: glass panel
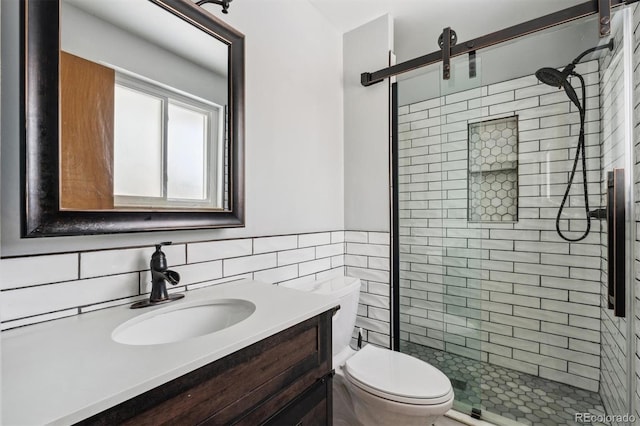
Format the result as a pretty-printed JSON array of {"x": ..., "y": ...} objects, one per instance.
[
  {"x": 138, "y": 144},
  {"x": 187, "y": 156},
  {"x": 440, "y": 273},
  {"x": 515, "y": 314},
  {"x": 462, "y": 255},
  {"x": 617, "y": 342}
]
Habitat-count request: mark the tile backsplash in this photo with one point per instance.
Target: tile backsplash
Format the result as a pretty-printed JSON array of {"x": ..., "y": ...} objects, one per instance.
[
  {"x": 44, "y": 287},
  {"x": 367, "y": 256}
]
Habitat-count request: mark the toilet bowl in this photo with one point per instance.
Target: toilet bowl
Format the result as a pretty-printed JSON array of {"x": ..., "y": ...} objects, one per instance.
[{"x": 377, "y": 386}]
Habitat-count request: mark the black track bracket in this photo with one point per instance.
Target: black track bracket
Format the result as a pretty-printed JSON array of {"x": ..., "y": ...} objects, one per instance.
[
  {"x": 447, "y": 39},
  {"x": 472, "y": 64},
  {"x": 604, "y": 19}
]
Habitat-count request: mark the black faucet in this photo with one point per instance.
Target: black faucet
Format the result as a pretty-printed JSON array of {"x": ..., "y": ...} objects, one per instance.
[{"x": 160, "y": 275}]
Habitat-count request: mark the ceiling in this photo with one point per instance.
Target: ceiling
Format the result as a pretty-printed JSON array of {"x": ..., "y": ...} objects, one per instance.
[
  {"x": 152, "y": 23},
  {"x": 419, "y": 23}
]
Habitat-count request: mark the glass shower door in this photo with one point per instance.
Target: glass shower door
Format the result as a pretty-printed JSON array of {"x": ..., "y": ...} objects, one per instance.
[
  {"x": 490, "y": 293},
  {"x": 440, "y": 264}
]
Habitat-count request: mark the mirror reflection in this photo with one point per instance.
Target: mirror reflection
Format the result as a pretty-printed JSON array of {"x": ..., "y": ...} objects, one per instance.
[{"x": 143, "y": 109}]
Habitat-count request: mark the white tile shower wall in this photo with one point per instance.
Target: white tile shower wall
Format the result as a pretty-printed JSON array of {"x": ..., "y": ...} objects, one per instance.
[
  {"x": 513, "y": 294},
  {"x": 636, "y": 183},
  {"x": 44, "y": 287},
  {"x": 614, "y": 379},
  {"x": 367, "y": 257}
]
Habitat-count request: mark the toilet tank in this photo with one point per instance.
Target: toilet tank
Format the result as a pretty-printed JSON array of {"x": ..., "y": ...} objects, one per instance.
[{"x": 347, "y": 291}]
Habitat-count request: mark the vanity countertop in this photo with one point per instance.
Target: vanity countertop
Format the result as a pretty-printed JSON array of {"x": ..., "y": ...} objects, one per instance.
[{"x": 63, "y": 371}]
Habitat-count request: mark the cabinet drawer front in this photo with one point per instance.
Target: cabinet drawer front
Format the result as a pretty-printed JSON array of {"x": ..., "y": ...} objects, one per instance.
[
  {"x": 312, "y": 408},
  {"x": 297, "y": 366}
]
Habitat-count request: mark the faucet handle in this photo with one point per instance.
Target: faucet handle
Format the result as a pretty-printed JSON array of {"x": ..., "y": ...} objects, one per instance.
[
  {"x": 172, "y": 276},
  {"x": 164, "y": 243}
]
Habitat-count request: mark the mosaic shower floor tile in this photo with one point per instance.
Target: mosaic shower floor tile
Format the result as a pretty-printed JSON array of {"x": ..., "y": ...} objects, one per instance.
[{"x": 520, "y": 397}]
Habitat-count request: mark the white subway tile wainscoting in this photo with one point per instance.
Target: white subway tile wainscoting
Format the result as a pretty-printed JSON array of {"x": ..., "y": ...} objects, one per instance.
[
  {"x": 367, "y": 256},
  {"x": 80, "y": 282},
  {"x": 44, "y": 287}
]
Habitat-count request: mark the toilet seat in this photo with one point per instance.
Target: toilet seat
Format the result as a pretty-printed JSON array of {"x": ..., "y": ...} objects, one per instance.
[{"x": 397, "y": 377}]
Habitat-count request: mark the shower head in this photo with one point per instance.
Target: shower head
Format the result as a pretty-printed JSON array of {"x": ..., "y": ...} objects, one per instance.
[
  {"x": 551, "y": 76},
  {"x": 555, "y": 78}
]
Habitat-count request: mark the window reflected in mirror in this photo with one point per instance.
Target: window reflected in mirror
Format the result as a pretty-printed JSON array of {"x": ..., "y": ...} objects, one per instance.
[{"x": 175, "y": 138}]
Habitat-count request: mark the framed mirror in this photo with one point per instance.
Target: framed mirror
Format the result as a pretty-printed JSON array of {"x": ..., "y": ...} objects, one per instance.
[{"x": 134, "y": 118}]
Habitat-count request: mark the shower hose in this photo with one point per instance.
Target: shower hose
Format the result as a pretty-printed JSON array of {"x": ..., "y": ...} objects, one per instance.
[{"x": 580, "y": 152}]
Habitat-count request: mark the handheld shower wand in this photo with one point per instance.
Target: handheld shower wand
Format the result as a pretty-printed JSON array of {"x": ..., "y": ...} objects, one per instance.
[{"x": 560, "y": 79}]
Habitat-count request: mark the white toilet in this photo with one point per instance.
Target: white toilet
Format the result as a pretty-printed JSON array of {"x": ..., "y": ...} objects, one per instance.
[{"x": 377, "y": 386}]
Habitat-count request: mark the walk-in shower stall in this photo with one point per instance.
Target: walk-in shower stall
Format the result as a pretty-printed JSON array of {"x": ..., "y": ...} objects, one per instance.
[{"x": 514, "y": 224}]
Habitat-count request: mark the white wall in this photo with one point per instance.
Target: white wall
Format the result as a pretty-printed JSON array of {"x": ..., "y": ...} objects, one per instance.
[
  {"x": 294, "y": 131},
  {"x": 366, "y": 182},
  {"x": 366, "y": 132}
]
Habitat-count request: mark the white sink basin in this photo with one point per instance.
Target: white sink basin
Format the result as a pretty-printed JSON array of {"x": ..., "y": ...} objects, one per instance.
[{"x": 182, "y": 322}]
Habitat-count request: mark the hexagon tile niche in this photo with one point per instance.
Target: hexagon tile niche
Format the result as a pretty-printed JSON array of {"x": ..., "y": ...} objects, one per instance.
[{"x": 493, "y": 170}]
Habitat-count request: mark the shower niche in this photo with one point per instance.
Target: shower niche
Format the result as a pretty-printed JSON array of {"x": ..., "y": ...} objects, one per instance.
[{"x": 493, "y": 170}]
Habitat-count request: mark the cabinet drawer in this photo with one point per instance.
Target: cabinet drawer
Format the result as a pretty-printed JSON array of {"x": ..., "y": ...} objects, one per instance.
[
  {"x": 254, "y": 382},
  {"x": 312, "y": 408}
]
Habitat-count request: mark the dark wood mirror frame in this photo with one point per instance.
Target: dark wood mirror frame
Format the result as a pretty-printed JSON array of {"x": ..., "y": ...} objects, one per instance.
[{"x": 41, "y": 214}]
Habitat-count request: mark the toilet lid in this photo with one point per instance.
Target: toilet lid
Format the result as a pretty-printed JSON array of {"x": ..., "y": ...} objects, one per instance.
[{"x": 397, "y": 377}]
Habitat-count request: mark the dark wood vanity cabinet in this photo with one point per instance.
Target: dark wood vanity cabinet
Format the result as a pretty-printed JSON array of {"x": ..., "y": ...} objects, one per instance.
[{"x": 284, "y": 379}]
